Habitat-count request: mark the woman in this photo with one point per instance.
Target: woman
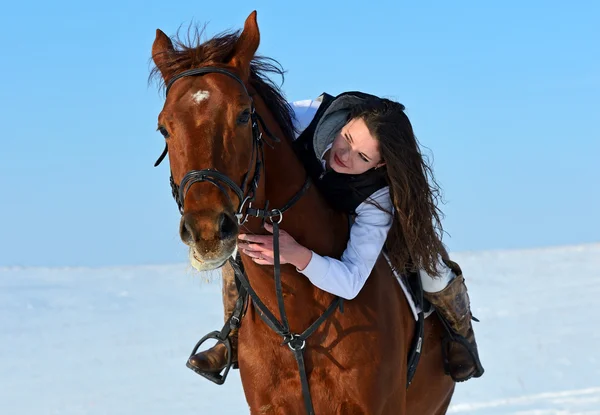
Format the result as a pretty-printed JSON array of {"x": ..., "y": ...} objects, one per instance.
[{"x": 361, "y": 152}]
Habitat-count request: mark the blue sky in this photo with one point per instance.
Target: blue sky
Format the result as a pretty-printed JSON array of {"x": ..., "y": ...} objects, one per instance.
[{"x": 505, "y": 96}]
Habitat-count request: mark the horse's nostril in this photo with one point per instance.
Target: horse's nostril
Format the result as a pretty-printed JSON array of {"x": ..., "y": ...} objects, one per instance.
[
  {"x": 184, "y": 231},
  {"x": 227, "y": 226}
]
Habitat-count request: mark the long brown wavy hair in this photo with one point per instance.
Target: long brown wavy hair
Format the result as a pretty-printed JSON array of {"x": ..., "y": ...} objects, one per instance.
[{"x": 415, "y": 238}]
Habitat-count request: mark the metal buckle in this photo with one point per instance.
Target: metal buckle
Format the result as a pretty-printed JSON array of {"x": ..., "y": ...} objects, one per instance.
[
  {"x": 239, "y": 214},
  {"x": 293, "y": 338},
  {"x": 235, "y": 322},
  {"x": 280, "y": 216}
]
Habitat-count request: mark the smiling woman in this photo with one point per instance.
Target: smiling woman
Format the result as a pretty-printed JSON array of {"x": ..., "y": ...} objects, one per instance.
[{"x": 354, "y": 149}]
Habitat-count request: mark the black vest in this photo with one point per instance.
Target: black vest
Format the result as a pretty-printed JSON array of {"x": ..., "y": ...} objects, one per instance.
[{"x": 344, "y": 192}]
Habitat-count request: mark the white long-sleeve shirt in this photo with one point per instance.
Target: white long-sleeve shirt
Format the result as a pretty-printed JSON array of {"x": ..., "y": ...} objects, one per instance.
[{"x": 346, "y": 277}]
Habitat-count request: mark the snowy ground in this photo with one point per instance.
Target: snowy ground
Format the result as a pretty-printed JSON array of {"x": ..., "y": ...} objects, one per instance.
[{"x": 115, "y": 340}]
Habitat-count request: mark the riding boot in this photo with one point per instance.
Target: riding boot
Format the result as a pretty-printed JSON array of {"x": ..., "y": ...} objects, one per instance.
[
  {"x": 461, "y": 358},
  {"x": 215, "y": 359}
]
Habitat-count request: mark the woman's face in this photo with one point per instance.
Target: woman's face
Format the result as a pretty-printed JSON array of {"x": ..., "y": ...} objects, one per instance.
[{"x": 354, "y": 150}]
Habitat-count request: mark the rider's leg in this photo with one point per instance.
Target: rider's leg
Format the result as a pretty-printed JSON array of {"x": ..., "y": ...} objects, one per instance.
[
  {"x": 448, "y": 294},
  {"x": 215, "y": 358}
]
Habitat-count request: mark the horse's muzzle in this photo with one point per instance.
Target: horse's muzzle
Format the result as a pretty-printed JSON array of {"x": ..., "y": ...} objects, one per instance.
[{"x": 211, "y": 236}]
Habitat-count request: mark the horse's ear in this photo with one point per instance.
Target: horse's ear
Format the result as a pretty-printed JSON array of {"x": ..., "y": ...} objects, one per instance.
[
  {"x": 161, "y": 49},
  {"x": 246, "y": 46}
]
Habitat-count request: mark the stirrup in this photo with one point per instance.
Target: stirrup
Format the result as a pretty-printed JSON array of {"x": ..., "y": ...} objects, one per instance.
[{"x": 217, "y": 378}]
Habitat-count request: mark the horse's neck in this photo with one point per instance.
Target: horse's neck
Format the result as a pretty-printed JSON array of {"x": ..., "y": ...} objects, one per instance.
[
  {"x": 310, "y": 221},
  {"x": 284, "y": 176}
]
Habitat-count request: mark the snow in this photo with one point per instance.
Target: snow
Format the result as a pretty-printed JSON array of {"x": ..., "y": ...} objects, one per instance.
[{"x": 115, "y": 340}]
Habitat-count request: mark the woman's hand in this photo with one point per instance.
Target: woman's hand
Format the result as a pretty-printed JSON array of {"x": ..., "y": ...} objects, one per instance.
[{"x": 260, "y": 249}]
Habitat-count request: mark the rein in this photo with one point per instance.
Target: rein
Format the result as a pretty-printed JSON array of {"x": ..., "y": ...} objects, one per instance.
[{"x": 246, "y": 193}]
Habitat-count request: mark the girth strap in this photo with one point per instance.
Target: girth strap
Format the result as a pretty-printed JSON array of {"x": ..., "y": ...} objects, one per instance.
[{"x": 414, "y": 354}]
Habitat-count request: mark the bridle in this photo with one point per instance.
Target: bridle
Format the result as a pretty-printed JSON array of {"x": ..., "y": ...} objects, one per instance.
[{"x": 246, "y": 193}]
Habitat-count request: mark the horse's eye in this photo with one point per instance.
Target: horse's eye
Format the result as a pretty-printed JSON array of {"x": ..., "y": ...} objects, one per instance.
[
  {"x": 244, "y": 117},
  {"x": 163, "y": 131}
]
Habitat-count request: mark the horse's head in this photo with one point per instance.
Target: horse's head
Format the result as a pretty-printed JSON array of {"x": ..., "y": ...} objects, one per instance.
[{"x": 207, "y": 121}]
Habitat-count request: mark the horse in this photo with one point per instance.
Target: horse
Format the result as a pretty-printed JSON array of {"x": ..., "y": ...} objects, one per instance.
[{"x": 228, "y": 132}]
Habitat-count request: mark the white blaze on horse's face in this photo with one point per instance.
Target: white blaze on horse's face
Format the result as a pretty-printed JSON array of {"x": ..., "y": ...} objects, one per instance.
[{"x": 200, "y": 96}]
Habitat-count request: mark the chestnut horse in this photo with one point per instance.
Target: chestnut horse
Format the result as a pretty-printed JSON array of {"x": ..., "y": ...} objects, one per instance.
[{"x": 212, "y": 119}]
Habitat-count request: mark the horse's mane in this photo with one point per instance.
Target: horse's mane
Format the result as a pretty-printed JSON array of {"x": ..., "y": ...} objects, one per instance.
[{"x": 190, "y": 52}]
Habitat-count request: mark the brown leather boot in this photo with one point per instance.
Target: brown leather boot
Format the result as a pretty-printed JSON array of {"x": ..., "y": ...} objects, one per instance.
[
  {"x": 214, "y": 359},
  {"x": 460, "y": 350}
]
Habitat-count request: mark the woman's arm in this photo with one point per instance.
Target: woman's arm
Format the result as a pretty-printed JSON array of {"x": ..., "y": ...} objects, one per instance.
[{"x": 346, "y": 277}]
